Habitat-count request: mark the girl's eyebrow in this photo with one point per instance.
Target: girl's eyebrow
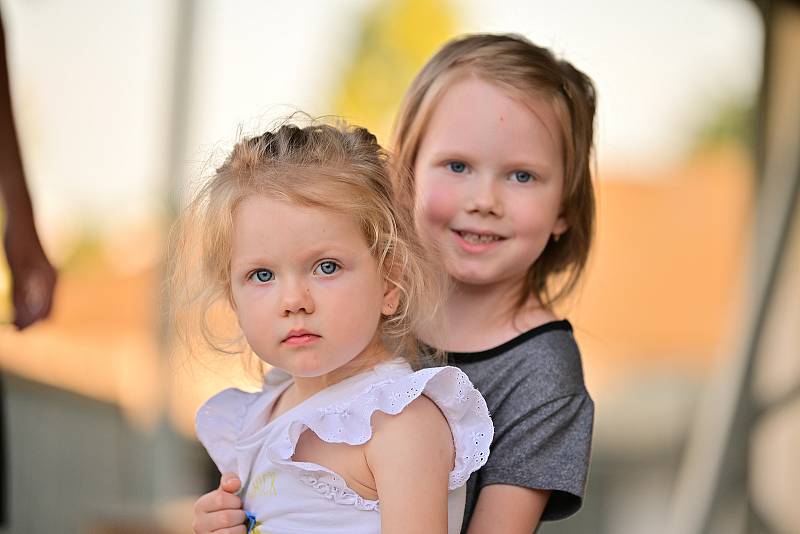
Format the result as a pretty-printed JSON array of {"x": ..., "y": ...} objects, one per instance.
[
  {"x": 454, "y": 154},
  {"x": 530, "y": 164},
  {"x": 249, "y": 262},
  {"x": 323, "y": 251}
]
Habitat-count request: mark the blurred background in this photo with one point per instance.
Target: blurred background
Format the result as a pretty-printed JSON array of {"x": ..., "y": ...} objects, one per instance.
[{"x": 688, "y": 319}]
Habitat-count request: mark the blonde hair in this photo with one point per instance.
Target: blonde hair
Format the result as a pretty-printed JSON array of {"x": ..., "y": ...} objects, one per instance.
[
  {"x": 523, "y": 69},
  {"x": 335, "y": 167}
]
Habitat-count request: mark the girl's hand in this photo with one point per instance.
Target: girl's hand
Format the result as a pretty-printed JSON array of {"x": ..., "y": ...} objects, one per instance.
[{"x": 220, "y": 511}]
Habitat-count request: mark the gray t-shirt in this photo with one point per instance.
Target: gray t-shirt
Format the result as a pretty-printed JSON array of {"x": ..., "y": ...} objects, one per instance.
[{"x": 542, "y": 415}]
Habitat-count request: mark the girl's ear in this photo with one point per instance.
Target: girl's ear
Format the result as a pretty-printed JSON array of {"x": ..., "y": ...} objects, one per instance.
[
  {"x": 391, "y": 297},
  {"x": 560, "y": 226}
]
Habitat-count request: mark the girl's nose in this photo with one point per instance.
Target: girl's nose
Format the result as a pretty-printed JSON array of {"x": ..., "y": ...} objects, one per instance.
[
  {"x": 296, "y": 298},
  {"x": 484, "y": 198}
]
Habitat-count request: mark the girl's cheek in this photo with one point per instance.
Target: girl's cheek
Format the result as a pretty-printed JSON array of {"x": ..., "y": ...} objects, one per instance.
[{"x": 437, "y": 206}]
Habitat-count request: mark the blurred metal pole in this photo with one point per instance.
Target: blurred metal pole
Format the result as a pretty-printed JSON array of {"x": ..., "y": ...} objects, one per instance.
[
  {"x": 174, "y": 474},
  {"x": 713, "y": 478},
  {"x": 181, "y": 100}
]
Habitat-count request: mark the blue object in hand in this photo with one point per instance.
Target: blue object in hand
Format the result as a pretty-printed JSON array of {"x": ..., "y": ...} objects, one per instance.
[{"x": 249, "y": 521}]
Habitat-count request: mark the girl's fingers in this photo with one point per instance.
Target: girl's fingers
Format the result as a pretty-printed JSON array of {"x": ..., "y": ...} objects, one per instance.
[
  {"x": 227, "y": 519},
  {"x": 215, "y": 501},
  {"x": 230, "y": 482},
  {"x": 221, "y": 521},
  {"x": 241, "y": 529}
]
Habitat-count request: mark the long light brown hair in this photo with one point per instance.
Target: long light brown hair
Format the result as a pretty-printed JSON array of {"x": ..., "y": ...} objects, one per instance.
[{"x": 522, "y": 69}]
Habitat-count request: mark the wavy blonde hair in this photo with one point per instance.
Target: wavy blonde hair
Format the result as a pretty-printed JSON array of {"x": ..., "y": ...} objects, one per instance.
[
  {"x": 335, "y": 167},
  {"x": 522, "y": 69}
]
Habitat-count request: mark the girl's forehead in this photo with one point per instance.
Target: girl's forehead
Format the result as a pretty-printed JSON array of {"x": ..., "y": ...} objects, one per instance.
[
  {"x": 261, "y": 221},
  {"x": 478, "y": 115},
  {"x": 258, "y": 208}
]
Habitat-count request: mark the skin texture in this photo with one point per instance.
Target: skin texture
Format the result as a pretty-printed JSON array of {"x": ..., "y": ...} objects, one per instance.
[
  {"x": 410, "y": 456},
  {"x": 291, "y": 247},
  {"x": 508, "y": 509},
  {"x": 317, "y": 274},
  {"x": 495, "y": 169}
]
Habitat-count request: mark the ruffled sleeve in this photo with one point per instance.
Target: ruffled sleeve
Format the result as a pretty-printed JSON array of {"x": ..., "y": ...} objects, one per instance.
[
  {"x": 468, "y": 416},
  {"x": 219, "y": 424},
  {"x": 350, "y": 421}
]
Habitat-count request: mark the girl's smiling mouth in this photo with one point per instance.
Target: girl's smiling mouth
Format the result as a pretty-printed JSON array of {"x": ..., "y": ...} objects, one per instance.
[{"x": 476, "y": 240}]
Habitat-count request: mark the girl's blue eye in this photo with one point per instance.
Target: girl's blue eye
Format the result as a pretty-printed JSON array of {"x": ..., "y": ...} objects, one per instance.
[
  {"x": 327, "y": 267},
  {"x": 522, "y": 176},
  {"x": 457, "y": 166},
  {"x": 262, "y": 275}
]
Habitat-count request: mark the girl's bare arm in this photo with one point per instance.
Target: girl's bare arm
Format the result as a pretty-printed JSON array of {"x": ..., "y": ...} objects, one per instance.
[
  {"x": 410, "y": 456},
  {"x": 508, "y": 509}
]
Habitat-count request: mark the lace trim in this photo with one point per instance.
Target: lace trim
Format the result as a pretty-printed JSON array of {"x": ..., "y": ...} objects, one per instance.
[{"x": 334, "y": 488}]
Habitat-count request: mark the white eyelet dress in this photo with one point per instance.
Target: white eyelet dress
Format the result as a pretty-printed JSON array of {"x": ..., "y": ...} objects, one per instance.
[{"x": 300, "y": 497}]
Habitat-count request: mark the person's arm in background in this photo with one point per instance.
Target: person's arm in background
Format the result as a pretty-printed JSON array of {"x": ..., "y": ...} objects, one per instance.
[{"x": 33, "y": 277}]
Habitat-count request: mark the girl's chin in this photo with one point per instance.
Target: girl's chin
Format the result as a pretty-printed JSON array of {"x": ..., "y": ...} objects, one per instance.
[
  {"x": 482, "y": 278},
  {"x": 472, "y": 278}
]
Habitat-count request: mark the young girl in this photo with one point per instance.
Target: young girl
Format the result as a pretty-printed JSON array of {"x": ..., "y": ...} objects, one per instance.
[
  {"x": 498, "y": 134},
  {"x": 300, "y": 234}
]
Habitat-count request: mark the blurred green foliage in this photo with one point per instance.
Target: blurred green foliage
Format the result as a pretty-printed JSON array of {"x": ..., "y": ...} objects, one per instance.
[{"x": 731, "y": 121}]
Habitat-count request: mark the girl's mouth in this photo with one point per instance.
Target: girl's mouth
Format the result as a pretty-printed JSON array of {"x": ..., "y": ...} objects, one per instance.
[
  {"x": 474, "y": 243},
  {"x": 299, "y": 336},
  {"x": 477, "y": 239},
  {"x": 303, "y": 339}
]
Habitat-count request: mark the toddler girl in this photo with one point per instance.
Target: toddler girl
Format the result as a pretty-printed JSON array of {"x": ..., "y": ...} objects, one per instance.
[{"x": 299, "y": 233}]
